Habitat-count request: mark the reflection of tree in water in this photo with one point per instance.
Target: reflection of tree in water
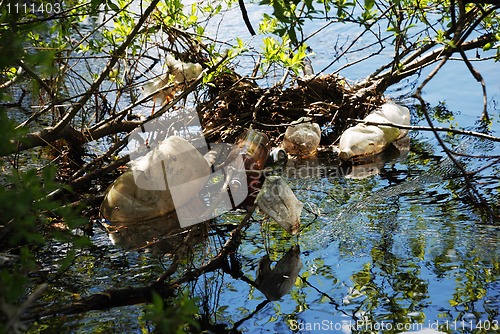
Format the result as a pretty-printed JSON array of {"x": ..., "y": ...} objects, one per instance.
[
  {"x": 406, "y": 239},
  {"x": 389, "y": 287}
]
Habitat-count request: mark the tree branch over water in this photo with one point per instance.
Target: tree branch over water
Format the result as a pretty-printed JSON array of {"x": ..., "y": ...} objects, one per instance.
[{"x": 49, "y": 134}]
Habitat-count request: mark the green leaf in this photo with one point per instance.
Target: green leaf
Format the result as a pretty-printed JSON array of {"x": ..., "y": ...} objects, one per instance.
[
  {"x": 94, "y": 6},
  {"x": 113, "y": 6}
]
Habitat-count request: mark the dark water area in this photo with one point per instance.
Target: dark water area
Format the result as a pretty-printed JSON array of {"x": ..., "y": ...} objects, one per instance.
[{"x": 400, "y": 250}]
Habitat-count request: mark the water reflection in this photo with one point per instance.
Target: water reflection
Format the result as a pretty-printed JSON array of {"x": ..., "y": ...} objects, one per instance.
[
  {"x": 161, "y": 235},
  {"x": 402, "y": 251},
  {"x": 399, "y": 249},
  {"x": 364, "y": 167},
  {"x": 275, "y": 283}
]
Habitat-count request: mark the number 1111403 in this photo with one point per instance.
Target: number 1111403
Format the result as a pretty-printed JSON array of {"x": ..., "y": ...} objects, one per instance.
[{"x": 35, "y": 8}]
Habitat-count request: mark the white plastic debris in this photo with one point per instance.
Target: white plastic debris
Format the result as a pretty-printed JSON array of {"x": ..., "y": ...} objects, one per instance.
[
  {"x": 176, "y": 77},
  {"x": 143, "y": 193},
  {"x": 278, "y": 156},
  {"x": 371, "y": 165},
  {"x": 277, "y": 200},
  {"x": 302, "y": 137},
  {"x": 363, "y": 139}
]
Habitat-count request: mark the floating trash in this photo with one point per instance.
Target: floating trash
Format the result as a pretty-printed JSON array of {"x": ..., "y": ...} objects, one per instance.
[
  {"x": 366, "y": 166},
  {"x": 277, "y": 158},
  {"x": 363, "y": 139},
  {"x": 144, "y": 193},
  {"x": 254, "y": 147},
  {"x": 302, "y": 137},
  {"x": 277, "y": 200},
  {"x": 175, "y": 79}
]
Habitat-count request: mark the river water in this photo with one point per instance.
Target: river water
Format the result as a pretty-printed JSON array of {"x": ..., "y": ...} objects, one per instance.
[{"x": 401, "y": 250}]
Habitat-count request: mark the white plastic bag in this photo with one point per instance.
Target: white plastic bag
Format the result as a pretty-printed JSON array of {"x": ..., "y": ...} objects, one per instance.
[
  {"x": 277, "y": 200},
  {"x": 143, "y": 193}
]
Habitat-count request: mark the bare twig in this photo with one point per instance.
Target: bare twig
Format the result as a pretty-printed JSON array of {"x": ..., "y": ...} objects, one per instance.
[
  {"x": 245, "y": 17},
  {"x": 476, "y": 197},
  {"x": 475, "y": 73},
  {"x": 352, "y": 43},
  {"x": 12, "y": 81},
  {"x": 229, "y": 247},
  {"x": 10, "y": 326}
]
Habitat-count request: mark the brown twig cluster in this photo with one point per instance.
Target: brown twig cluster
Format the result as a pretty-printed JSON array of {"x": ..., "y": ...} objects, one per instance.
[{"x": 237, "y": 103}]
